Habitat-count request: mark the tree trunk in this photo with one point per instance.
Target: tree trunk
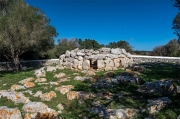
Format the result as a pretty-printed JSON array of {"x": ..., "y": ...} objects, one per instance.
[{"x": 16, "y": 63}]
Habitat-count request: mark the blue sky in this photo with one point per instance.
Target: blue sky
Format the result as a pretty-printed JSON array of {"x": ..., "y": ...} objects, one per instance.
[{"x": 144, "y": 24}]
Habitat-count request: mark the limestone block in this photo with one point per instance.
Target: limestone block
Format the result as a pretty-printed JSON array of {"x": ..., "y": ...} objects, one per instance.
[
  {"x": 80, "y": 58},
  {"x": 73, "y": 54},
  {"x": 116, "y": 51},
  {"x": 68, "y": 53},
  {"x": 113, "y": 56},
  {"x": 116, "y": 62},
  {"x": 108, "y": 68},
  {"x": 70, "y": 59},
  {"x": 101, "y": 56},
  {"x": 86, "y": 64},
  {"x": 109, "y": 63},
  {"x": 100, "y": 64},
  {"x": 75, "y": 63},
  {"x": 80, "y": 54}
]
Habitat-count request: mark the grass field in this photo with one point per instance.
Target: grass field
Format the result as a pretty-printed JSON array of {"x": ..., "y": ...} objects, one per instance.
[{"x": 129, "y": 98}]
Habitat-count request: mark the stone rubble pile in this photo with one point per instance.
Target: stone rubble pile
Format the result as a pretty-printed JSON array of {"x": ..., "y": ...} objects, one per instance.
[{"x": 102, "y": 59}]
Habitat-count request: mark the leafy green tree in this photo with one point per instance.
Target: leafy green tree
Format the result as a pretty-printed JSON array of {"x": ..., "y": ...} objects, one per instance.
[
  {"x": 89, "y": 44},
  {"x": 172, "y": 48},
  {"x": 121, "y": 44},
  {"x": 65, "y": 44},
  {"x": 23, "y": 28},
  {"x": 176, "y": 21}
]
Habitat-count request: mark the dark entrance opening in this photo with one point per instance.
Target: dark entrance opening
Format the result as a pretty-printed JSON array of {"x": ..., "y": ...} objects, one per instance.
[{"x": 93, "y": 64}]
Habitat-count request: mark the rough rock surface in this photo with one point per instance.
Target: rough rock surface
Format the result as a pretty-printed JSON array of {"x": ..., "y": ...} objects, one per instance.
[
  {"x": 60, "y": 75},
  {"x": 48, "y": 96},
  {"x": 155, "y": 105},
  {"x": 16, "y": 87},
  {"x": 160, "y": 86},
  {"x": 9, "y": 113},
  {"x": 40, "y": 72},
  {"x": 29, "y": 84},
  {"x": 39, "y": 80},
  {"x": 17, "y": 97},
  {"x": 64, "y": 89},
  {"x": 26, "y": 80},
  {"x": 35, "y": 109},
  {"x": 103, "y": 112}
]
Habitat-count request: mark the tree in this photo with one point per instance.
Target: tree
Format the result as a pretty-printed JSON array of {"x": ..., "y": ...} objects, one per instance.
[
  {"x": 172, "y": 48},
  {"x": 89, "y": 44},
  {"x": 23, "y": 28},
  {"x": 159, "y": 51},
  {"x": 121, "y": 44},
  {"x": 176, "y": 21},
  {"x": 65, "y": 44}
]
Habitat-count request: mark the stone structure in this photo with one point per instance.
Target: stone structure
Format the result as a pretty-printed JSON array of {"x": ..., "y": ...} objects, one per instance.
[
  {"x": 4, "y": 66},
  {"x": 102, "y": 59}
]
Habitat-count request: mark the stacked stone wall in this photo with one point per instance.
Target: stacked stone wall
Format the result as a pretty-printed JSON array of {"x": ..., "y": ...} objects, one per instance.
[{"x": 101, "y": 59}]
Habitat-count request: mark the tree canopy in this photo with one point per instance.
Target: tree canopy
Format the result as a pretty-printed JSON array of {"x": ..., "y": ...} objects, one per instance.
[
  {"x": 176, "y": 21},
  {"x": 23, "y": 28},
  {"x": 121, "y": 44},
  {"x": 89, "y": 44}
]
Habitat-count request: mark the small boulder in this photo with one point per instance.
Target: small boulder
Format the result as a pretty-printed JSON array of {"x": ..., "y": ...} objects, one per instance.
[
  {"x": 9, "y": 113},
  {"x": 60, "y": 75},
  {"x": 64, "y": 89}
]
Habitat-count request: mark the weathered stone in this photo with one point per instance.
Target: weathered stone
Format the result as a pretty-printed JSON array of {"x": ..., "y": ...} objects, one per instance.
[
  {"x": 62, "y": 80},
  {"x": 37, "y": 94},
  {"x": 26, "y": 80},
  {"x": 73, "y": 54},
  {"x": 156, "y": 105},
  {"x": 72, "y": 95},
  {"x": 60, "y": 75},
  {"x": 113, "y": 56},
  {"x": 80, "y": 54},
  {"x": 36, "y": 109},
  {"x": 60, "y": 107},
  {"x": 64, "y": 89},
  {"x": 109, "y": 63},
  {"x": 100, "y": 64},
  {"x": 51, "y": 68},
  {"x": 80, "y": 58},
  {"x": 160, "y": 86},
  {"x": 9, "y": 113},
  {"x": 86, "y": 64},
  {"x": 28, "y": 91},
  {"x": 68, "y": 53},
  {"x": 80, "y": 78},
  {"x": 48, "y": 96},
  {"x": 40, "y": 72},
  {"x": 16, "y": 87},
  {"x": 53, "y": 83},
  {"x": 88, "y": 72},
  {"x": 116, "y": 51},
  {"x": 17, "y": 97},
  {"x": 39, "y": 80},
  {"x": 108, "y": 68},
  {"x": 29, "y": 84},
  {"x": 116, "y": 62},
  {"x": 75, "y": 63}
]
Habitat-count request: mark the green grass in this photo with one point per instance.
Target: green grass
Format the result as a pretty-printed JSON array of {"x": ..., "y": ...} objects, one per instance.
[{"x": 128, "y": 96}]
